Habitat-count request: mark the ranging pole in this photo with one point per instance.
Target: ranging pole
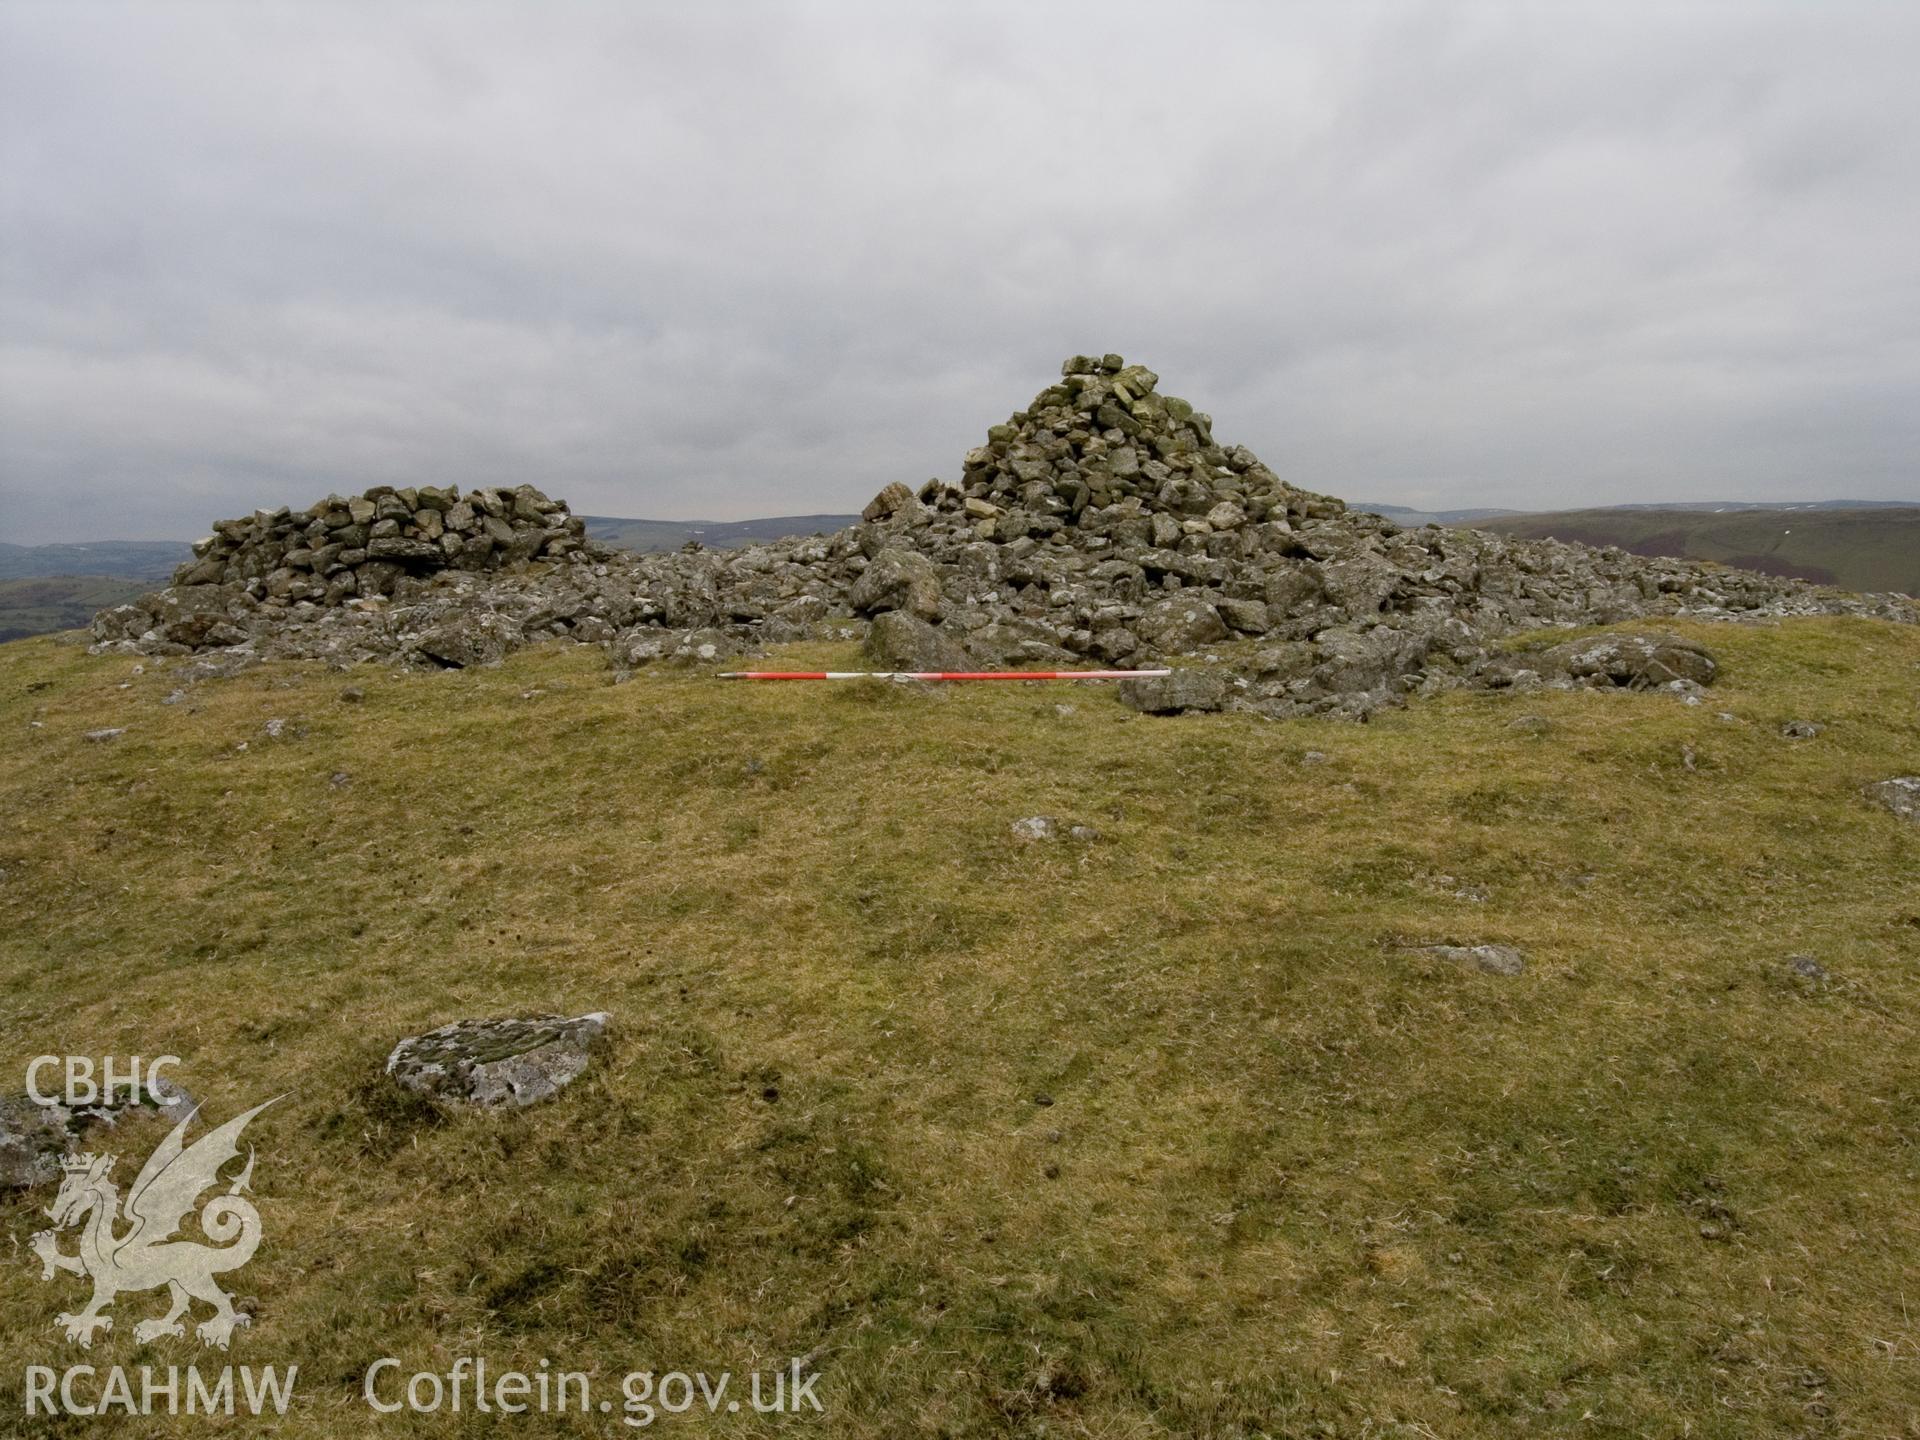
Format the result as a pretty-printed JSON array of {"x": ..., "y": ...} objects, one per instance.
[{"x": 938, "y": 674}]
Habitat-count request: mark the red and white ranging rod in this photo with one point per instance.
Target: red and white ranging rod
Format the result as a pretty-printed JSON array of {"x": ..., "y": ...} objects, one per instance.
[{"x": 938, "y": 674}]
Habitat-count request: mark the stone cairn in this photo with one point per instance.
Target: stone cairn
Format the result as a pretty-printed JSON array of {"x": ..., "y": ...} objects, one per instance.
[
  {"x": 1105, "y": 440},
  {"x": 1104, "y": 523},
  {"x": 338, "y": 549}
]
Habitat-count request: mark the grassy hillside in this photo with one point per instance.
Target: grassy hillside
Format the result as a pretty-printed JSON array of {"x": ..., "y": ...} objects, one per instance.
[
  {"x": 1161, "y": 1134},
  {"x": 58, "y": 602},
  {"x": 1863, "y": 549},
  {"x": 714, "y": 534}
]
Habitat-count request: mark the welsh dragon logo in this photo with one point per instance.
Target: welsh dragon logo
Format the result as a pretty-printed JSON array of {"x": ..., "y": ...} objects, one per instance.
[{"x": 144, "y": 1256}]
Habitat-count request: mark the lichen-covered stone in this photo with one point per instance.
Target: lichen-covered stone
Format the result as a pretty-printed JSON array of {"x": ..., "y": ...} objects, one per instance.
[
  {"x": 1635, "y": 660},
  {"x": 899, "y": 641},
  {"x": 491, "y": 1063},
  {"x": 1900, "y": 795},
  {"x": 1494, "y": 959},
  {"x": 1174, "y": 694},
  {"x": 34, "y": 1138},
  {"x": 897, "y": 580}
]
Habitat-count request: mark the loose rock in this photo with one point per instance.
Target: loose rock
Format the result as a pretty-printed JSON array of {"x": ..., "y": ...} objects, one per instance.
[
  {"x": 1639, "y": 661},
  {"x": 899, "y": 641},
  {"x": 33, "y": 1141},
  {"x": 1495, "y": 959},
  {"x": 34, "y": 1138},
  {"x": 1901, "y": 795},
  {"x": 494, "y": 1063},
  {"x": 1173, "y": 694}
]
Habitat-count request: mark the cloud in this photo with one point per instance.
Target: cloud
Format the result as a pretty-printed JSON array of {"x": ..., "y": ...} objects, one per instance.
[{"x": 742, "y": 260}]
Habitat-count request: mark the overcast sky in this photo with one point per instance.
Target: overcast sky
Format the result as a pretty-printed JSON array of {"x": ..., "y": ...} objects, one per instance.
[{"x": 727, "y": 260}]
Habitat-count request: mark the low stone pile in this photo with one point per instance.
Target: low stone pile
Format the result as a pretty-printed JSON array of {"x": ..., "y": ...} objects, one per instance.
[
  {"x": 338, "y": 549},
  {"x": 1103, "y": 524}
]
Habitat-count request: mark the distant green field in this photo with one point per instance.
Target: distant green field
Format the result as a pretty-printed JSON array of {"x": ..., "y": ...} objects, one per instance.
[
  {"x": 58, "y": 602},
  {"x": 714, "y": 534},
  {"x": 1868, "y": 549}
]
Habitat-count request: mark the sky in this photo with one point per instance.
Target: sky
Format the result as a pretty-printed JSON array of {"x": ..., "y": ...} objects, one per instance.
[{"x": 729, "y": 260}]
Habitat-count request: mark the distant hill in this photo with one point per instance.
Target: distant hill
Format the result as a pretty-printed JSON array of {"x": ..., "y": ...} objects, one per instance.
[
  {"x": 59, "y": 602},
  {"x": 645, "y": 535},
  {"x": 1408, "y": 516},
  {"x": 127, "y": 559},
  {"x": 1855, "y": 545}
]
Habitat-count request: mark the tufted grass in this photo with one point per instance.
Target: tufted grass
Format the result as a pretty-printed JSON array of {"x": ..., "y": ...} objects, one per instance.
[{"x": 1293, "y": 1179}]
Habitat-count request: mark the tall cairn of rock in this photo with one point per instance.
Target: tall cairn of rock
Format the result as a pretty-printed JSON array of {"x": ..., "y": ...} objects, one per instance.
[{"x": 1105, "y": 436}]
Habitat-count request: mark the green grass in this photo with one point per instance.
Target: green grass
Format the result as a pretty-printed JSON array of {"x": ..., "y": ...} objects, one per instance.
[
  {"x": 1872, "y": 550},
  {"x": 1295, "y": 1180}
]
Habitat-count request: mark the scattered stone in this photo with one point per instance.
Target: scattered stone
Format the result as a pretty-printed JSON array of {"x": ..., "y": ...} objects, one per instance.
[
  {"x": 33, "y": 1141},
  {"x": 1638, "y": 661},
  {"x": 173, "y": 697},
  {"x": 1045, "y": 827},
  {"x": 496, "y": 1063},
  {"x": 34, "y": 1138},
  {"x": 1183, "y": 690},
  {"x": 101, "y": 737},
  {"x": 1495, "y": 959},
  {"x": 352, "y": 695},
  {"x": 339, "y": 780},
  {"x": 1530, "y": 724},
  {"x": 1901, "y": 795},
  {"x": 1799, "y": 730},
  {"x": 1806, "y": 967},
  {"x": 1316, "y": 757}
]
